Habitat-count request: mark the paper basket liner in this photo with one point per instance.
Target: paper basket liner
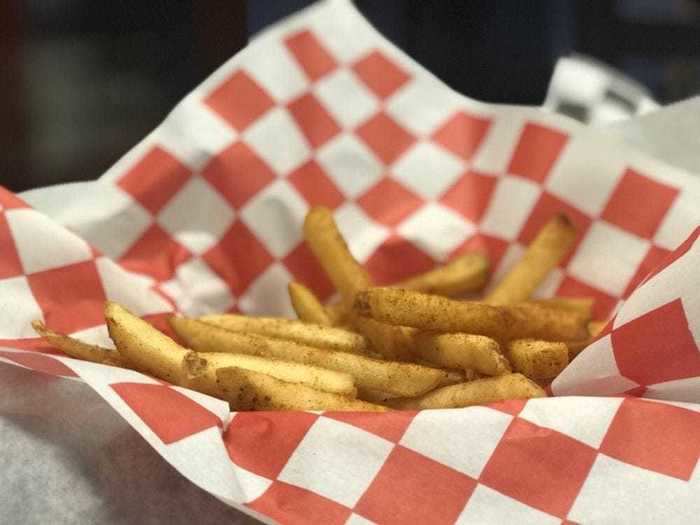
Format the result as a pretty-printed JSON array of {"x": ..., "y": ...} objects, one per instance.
[{"x": 205, "y": 215}]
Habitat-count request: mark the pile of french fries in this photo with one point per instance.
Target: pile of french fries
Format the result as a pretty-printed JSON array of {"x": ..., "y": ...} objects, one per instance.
[{"x": 412, "y": 346}]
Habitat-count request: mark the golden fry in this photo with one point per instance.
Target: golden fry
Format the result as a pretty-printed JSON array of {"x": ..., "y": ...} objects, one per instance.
[
  {"x": 546, "y": 250},
  {"x": 538, "y": 359},
  {"x": 582, "y": 305},
  {"x": 481, "y": 391},
  {"x": 77, "y": 349},
  {"x": 465, "y": 351},
  {"x": 466, "y": 273},
  {"x": 307, "y": 306},
  {"x": 390, "y": 342},
  {"x": 303, "y": 333},
  {"x": 331, "y": 250},
  {"x": 149, "y": 350},
  {"x": 393, "y": 377},
  {"x": 250, "y": 390}
]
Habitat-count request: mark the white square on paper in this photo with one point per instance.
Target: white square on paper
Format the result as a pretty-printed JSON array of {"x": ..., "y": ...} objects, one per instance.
[
  {"x": 272, "y": 66},
  {"x": 679, "y": 221},
  {"x": 193, "y": 133},
  {"x": 510, "y": 207},
  {"x": 42, "y": 244},
  {"x": 363, "y": 235},
  {"x": 608, "y": 257},
  {"x": 585, "y": 419},
  {"x": 352, "y": 167},
  {"x": 198, "y": 216},
  {"x": 346, "y": 98},
  {"x": 489, "y": 506},
  {"x": 462, "y": 439},
  {"x": 276, "y": 138},
  {"x": 550, "y": 284},
  {"x": 341, "y": 30},
  {"x": 97, "y": 335},
  {"x": 428, "y": 170},
  {"x": 19, "y": 309},
  {"x": 497, "y": 148},
  {"x": 423, "y": 105},
  {"x": 436, "y": 230},
  {"x": 336, "y": 460},
  {"x": 275, "y": 216},
  {"x": 130, "y": 289},
  {"x": 198, "y": 290},
  {"x": 584, "y": 177},
  {"x": 678, "y": 390},
  {"x": 635, "y": 495},
  {"x": 267, "y": 294}
]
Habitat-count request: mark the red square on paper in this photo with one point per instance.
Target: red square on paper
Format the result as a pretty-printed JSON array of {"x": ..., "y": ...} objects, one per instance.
[
  {"x": 653, "y": 259},
  {"x": 604, "y": 303},
  {"x": 537, "y": 151},
  {"x": 315, "y": 186},
  {"x": 654, "y": 436},
  {"x": 313, "y": 119},
  {"x": 538, "y": 466},
  {"x": 155, "y": 254},
  {"x": 638, "y": 204},
  {"x": 294, "y": 505},
  {"x": 493, "y": 247},
  {"x": 382, "y": 265},
  {"x": 389, "y": 425},
  {"x": 40, "y": 363},
  {"x": 238, "y": 258},
  {"x": 155, "y": 179},
  {"x": 9, "y": 200},
  {"x": 172, "y": 416},
  {"x": 657, "y": 346},
  {"x": 388, "y": 202},
  {"x": 380, "y": 74},
  {"x": 263, "y": 442},
  {"x": 462, "y": 134},
  {"x": 238, "y": 173},
  {"x": 310, "y": 54},
  {"x": 71, "y": 297},
  {"x": 10, "y": 265},
  {"x": 305, "y": 268},
  {"x": 471, "y": 195},
  {"x": 385, "y": 137},
  {"x": 239, "y": 100},
  {"x": 410, "y": 488}
]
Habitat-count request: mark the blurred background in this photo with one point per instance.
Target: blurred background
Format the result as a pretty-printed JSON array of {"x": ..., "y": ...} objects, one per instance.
[{"x": 82, "y": 81}]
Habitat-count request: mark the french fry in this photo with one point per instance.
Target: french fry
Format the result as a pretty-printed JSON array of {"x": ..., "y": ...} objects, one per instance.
[
  {"x": 303, "y": 333},
  {"x": 481, "y": 391},
  {"x": 391, "y": 342},
  {"x": 311, "y": 376},
  {"x": 582, "y": 305},
  {"x": 250, "y": 390},
  {"x": 405, "y": 379},
  {"x": 465, "y": 351},
  {"x": 75, "y": 348},
  {"x": 538, "y": 359},
  {"x": 546, "y": 250},
  {"x": 375, "y": 396},
  {"x": 149, "y": 350},
  {"x": 331, "y": 250},
  {"x": 337, "y": 314},
  {"x": 466, "y": 273},
  {"x": 595, "y": 327},
  {"x": 576, "y": 347},
  {"x": 440, "y": 314},
  {"x": 307, "y": 306}
]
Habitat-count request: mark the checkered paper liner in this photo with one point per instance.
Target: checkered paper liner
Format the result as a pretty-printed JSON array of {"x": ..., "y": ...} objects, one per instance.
[{"x": 205, "y": 214}]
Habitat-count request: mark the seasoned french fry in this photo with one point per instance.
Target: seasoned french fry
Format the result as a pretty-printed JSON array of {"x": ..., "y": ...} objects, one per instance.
[
  {"x": 250, "y": 390},
  {"x": 466, "y": 351},
  {"x": 331, "y": 250},
  {"x": 538, "y": 359},
  {"x": 576, "y": 347},
  {"x": 337, "y": 314},
  {"x": 440, "y": 314},
  {"x": 582, "y": 305},
  {"x": 393, "y": 377},
  {"x": 466, "y": 273},
  {"x": 149, "y": 350},
  {"x": 391, "y": 342},
  {"x": 549, "y": 247},
  {"x": 595, "y": 327},
  {"x": 75, "y": 348},
  {"x": 303, "y": 333},
  {"x": 375, "y": 396},
  {"x": 311, "y": 376},
  {"x": 307, "y": 306},
  {"x": 481, "y": 391}
]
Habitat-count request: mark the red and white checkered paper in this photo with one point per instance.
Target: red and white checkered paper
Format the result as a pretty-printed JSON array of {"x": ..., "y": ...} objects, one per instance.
[{"x": 205, "y": 215}]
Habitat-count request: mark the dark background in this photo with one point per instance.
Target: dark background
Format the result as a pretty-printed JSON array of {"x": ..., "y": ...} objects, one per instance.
[{"x": 81, "y": 81}]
